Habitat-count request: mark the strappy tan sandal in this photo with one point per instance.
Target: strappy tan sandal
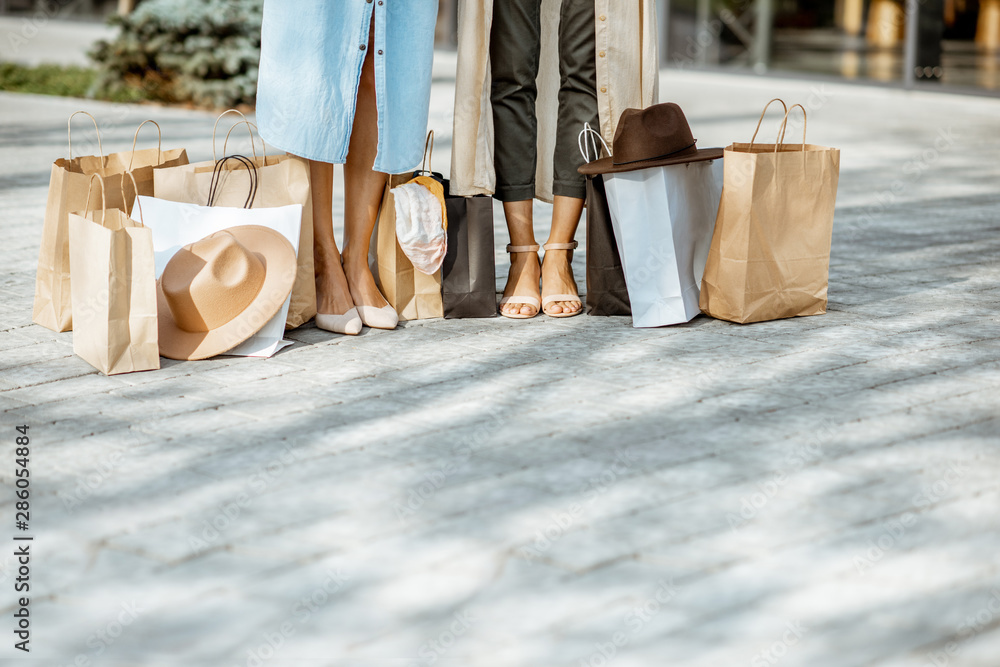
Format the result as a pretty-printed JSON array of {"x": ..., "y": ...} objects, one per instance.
[
  {"x": 514, "y": 298},
  {"x": 552, "y": 298}
]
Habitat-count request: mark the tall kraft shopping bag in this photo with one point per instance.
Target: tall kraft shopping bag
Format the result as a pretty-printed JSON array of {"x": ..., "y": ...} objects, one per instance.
[
  {"x": 69, "y": 186},
  {"x": 770, "y": 253},
  {"x": 414, "y": 295},
  {"x": 282, "y": 180},
  {"x": 113, "y": 288}
]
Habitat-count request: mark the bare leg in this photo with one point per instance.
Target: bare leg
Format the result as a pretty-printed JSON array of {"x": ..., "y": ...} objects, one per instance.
[
  {"x": 557, "y": 273},
  {"x": 524, "y": 269},
  {"x": 333, "y": 295},
  {"x": 363, "y": 190}
]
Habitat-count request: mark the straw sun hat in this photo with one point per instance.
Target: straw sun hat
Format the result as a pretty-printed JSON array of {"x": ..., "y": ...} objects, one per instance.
[{"x": 219, "y": 291}]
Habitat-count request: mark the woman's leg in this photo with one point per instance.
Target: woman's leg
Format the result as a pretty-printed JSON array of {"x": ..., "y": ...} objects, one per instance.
[
  {"x": 525, "y": 271},
  {"x": 514, "y": 52},
  {"x": 333, "y": 296},
  {"x": 577, "y": 105},
  {"x": 363, "y": 189},
  {"x": 557, "y": 270}
]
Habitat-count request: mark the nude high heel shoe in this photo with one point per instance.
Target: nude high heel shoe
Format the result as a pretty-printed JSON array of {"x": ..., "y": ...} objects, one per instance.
[
  {"x": 349, "y": 323},
  {"x": 379, "y": 318}
]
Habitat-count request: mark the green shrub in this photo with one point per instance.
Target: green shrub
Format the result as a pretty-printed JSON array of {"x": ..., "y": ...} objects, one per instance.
[{"x": 203, "y": 52}]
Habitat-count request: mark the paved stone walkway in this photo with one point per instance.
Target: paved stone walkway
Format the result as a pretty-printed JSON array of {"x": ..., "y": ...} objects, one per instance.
[
  {"x": 815, "y": 492},
  {"x": 48, "y": 38}
]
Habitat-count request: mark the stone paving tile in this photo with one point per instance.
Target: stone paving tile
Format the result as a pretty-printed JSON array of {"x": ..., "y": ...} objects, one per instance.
[
  {"x": 41, "y": 394},
  {"x": 43, "y": 372},
  {"x": 29, "y": 354},
  {"x": 12, "y": 339}
]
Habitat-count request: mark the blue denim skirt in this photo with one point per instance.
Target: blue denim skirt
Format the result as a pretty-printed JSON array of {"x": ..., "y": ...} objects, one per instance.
[{"x": 310, "y": 64}]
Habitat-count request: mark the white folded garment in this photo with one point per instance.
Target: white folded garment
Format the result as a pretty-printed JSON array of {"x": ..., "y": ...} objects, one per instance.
[{"x": 420, "y": 227}]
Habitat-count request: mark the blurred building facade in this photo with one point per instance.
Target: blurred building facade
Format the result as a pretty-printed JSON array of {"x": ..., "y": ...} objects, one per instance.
[
  {"x": 913, "y": 43},
  {"x": 946, "y": 44},
  {"x": 943, "y": 44}
]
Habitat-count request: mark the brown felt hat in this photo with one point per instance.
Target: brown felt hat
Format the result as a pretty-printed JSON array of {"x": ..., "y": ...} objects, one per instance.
[
  {"x": 219, "y": 291},
  {"x": 653, "y": 137}
]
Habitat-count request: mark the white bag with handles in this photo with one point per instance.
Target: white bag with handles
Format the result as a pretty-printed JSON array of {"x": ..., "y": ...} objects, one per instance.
[
  {"x": 176, "y": 224},
  {"x": 663, "y": 219}
]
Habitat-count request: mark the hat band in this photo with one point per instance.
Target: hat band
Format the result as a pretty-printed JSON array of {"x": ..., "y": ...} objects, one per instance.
[{"x": 656, "y": 157}]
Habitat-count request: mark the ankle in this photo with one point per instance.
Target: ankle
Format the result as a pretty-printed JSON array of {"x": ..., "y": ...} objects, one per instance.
[
  {"x": 558, "y": 257},
  {"x": 353, "y": 262},
  {"x": 523, "y": 260}
]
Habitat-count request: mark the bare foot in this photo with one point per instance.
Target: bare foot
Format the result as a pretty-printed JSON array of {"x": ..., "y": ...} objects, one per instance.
[
  {"x": 364, "y": 292},
  {"x": 522, "y": 280},
  {"x": 333, "y": 295},
  {"x": 557, "y": 278}
]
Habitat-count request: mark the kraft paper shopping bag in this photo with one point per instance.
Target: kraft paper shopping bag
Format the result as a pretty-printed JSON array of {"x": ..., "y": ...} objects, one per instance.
[
  {"x": 283, "y": 180},
  {"x": 113, "y": 289},
  {"x": 69, "y": 187},
  {"x": 770, "y": 254},
  {"x": 414, "y": 295}
]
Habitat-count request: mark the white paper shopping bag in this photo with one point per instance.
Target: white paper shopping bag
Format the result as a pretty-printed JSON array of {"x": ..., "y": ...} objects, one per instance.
[
  {"x": 663, "y": 218},
  {"x": 176, "y": 224}
]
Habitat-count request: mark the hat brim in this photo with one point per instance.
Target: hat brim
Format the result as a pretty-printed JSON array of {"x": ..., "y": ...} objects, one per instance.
[
  {"x": 278, "y": 256},
  {"x": 607, "y": 166}
]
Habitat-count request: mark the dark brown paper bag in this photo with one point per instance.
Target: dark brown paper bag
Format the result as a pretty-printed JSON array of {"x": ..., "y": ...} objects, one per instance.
[
  {"x": 606, "y": 291},
  {"x": 69, "y": 185},
  {"x": 281, "y": 180},
  {"x": 770, "y": 254},
  {"x": 113, "y": 291},
  {"x": 468, "y": 283}
]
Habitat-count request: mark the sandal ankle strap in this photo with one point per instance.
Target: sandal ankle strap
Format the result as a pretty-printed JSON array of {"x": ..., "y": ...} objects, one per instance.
[
  {"x": 522, "y": 248},
  {"x": 561, "y": 246}
]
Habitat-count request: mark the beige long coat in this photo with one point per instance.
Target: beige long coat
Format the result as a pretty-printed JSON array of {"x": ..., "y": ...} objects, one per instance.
[{"x": 627, "y": 77}]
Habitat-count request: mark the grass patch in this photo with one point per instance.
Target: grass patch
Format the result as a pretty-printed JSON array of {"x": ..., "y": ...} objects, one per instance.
[{"x": 59, "y": 80}]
